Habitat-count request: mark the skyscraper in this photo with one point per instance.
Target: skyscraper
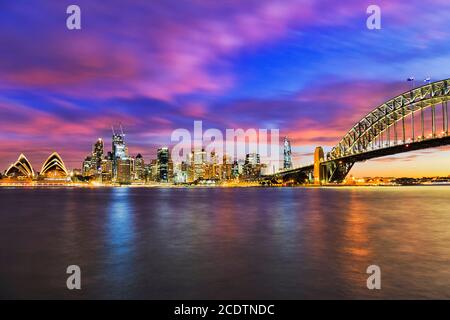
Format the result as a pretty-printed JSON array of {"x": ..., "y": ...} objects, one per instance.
[
  {"x": 252, "y": 166},
  {"x": 107, "y": 169},
  {"x": 88, "y": 169},
  {"x": 226, "y": 167},
  {"x": 287, "y": 163},
  {"x": 235, "y": 170},
  {"x": 124, "y": 169},
  {"x": 119, "y": 149},
  {"x": 97, "y": 152},
  {"x": 92, "y": 165},
  {"x": 180, "y": 173},
  {"x": 139, "y": 168},
  {"x": 215, "y": 167},
  {"x": 252, "y": 159},
  {"x": 163, "y": 164},
  {"x": 199, "y": 158},
  {"x": 153, "y": 170}
]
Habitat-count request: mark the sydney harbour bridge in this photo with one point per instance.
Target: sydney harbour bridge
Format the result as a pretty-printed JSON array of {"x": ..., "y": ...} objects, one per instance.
[{"x": 414, "y": 120}]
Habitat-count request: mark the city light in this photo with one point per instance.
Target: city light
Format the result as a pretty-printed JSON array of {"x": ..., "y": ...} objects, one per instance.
[{"x": 118, "y": 168}]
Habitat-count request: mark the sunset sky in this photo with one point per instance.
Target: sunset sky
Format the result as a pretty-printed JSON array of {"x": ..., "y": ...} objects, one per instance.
[{"x": 310, "y": 68}]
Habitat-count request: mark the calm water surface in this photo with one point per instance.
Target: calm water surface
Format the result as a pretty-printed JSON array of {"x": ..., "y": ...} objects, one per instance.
[{"x": 280, "y": 243}]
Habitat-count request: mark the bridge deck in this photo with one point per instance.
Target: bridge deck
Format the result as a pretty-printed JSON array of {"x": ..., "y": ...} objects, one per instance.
[
  {"x": 387, "y": 151},
  {"x": 376, "y": 153}
]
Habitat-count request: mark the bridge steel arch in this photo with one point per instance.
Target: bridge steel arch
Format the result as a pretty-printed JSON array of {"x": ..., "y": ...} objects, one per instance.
[
  {"x": 379, "y": 121},
  {"x": 365, "y": 139},
  {"x": 371, "y": 136}
]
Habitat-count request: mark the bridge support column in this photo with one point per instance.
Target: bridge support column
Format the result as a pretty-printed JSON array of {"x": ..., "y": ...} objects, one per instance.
[
  {"x": 319, "y": 172},
  {"x": 403, "y": 125},
  {"x": 433, "y": 121},
  {"x": 443, "y": 117},
  {"x": 446, "y": 118},
  {"x": 422, "y": 122}
]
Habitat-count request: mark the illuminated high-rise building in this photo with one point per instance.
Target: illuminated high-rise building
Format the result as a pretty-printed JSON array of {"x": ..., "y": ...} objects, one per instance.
[
  {"x": 190, "y": 167},
  {"x": 148, "y": 172},
  {"x": 241, "y": 164},
  {"x": 199, "y": 164},
  {"x": 287, "y": 163},
  {"x": 92, "y": 165},
  {"x": 124, "y": 169},
  {"x": 180, "y": 173},
  {"x": 170, "y": 176},
  {"x": 97, "y": 154},
  {"x": 153, "y": 170},
  {"x": 163, "y": 164},
  {"x": 235, "y": 170},
  {"x": 107, "y": 174},
  {"x": 226, "y": 167},
  {"x": 252, "y": 166},
  {"x": 252, "y": 159},
  {"x": 139, "y": 168},
  {"x": 215, "y": 167},
  {"x": 88, "y": 169},
  {"x": 119, "y": 150}
]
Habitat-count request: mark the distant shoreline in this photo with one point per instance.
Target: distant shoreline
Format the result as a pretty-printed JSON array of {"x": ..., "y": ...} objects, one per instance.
[{"x": 171, "y": 186}]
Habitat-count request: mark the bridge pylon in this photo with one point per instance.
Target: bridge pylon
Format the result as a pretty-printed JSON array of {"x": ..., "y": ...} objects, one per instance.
[
  {"x": 319, "y": 168},
  {"x": 329, "y": 171}
]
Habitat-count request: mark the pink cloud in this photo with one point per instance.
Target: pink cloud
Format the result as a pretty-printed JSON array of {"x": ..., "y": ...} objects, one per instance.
[{"x": 176, "y": 46}]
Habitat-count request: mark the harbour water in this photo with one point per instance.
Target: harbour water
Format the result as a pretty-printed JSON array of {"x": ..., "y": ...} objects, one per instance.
[{"x": 225, "y": 243}]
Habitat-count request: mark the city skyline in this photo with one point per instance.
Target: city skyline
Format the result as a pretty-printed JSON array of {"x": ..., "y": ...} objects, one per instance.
[
  {"x": 119, "y": 167},
  {"x": 99, "y": 150},
  {"x": 277, "y": 65}
]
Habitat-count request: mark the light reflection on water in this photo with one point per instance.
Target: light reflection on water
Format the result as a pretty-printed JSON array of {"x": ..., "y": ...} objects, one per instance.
[
  {"x": 119, "y": 240},
  {"x": 120, "y": 224},
  {"x": 225, "y": 243}
]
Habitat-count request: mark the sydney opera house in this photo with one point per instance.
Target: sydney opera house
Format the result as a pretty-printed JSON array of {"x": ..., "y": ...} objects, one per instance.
[{"x": 53, "y": 169}]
